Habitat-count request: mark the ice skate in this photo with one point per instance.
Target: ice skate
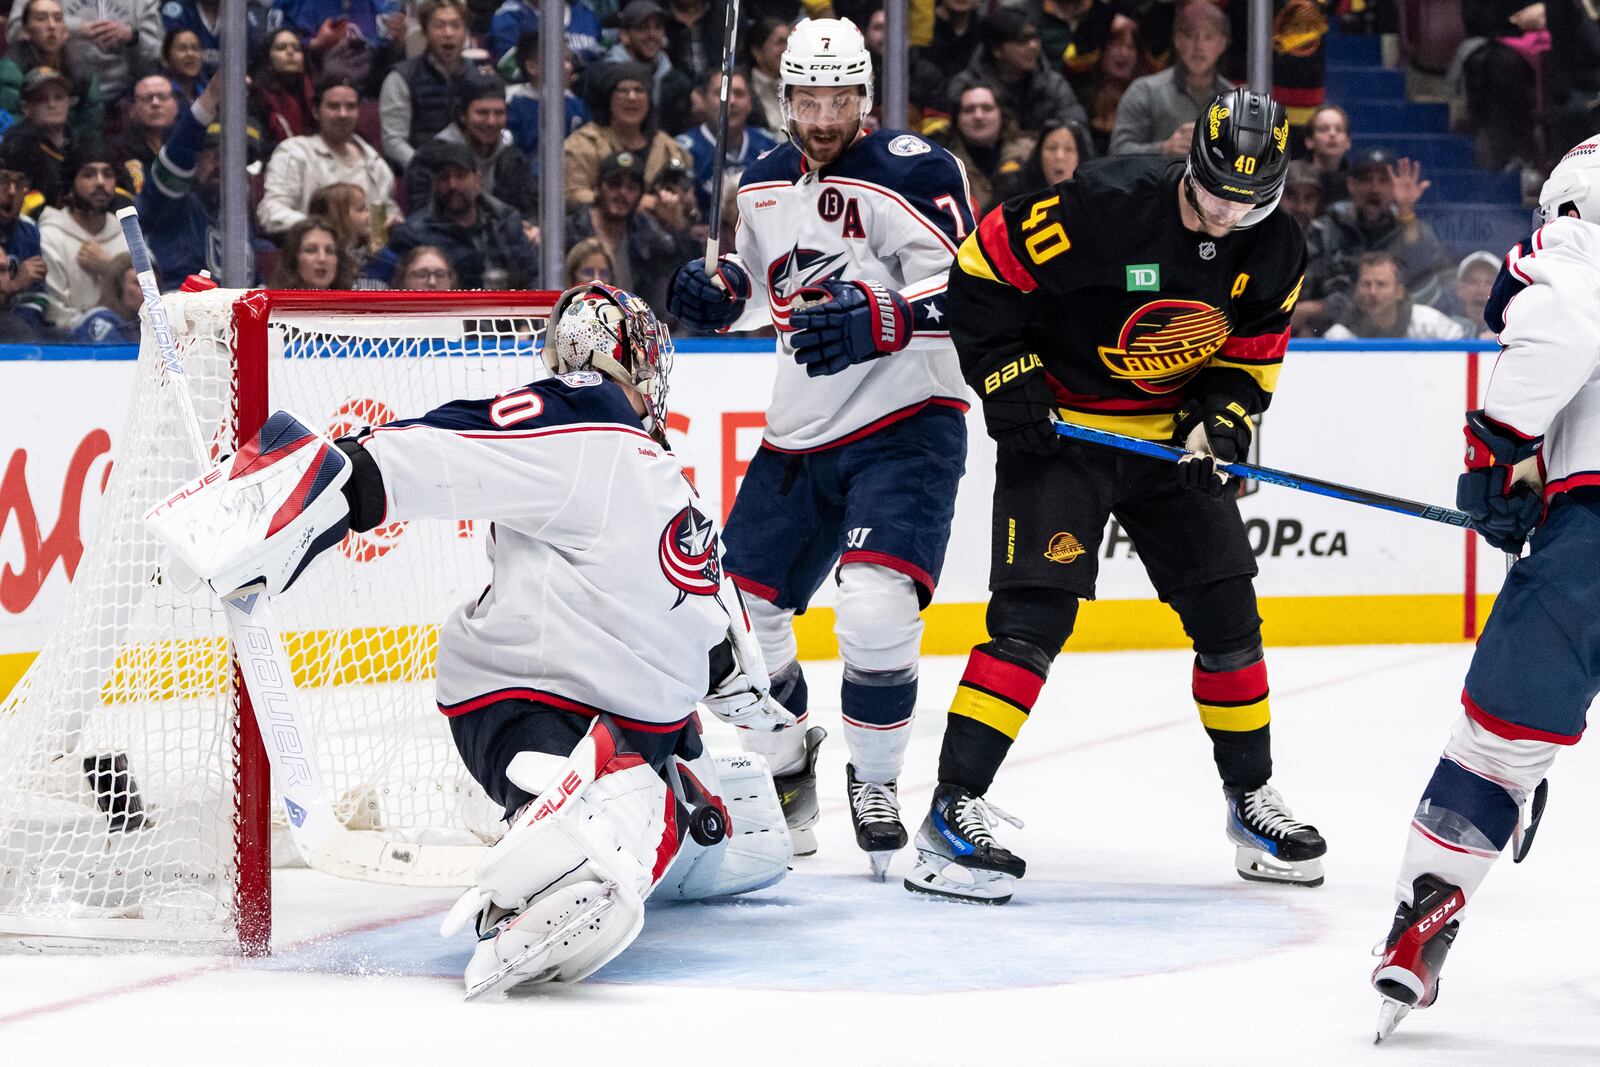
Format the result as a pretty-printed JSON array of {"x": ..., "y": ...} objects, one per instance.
[
  {"x": 797, "y": 792},
  {"x": 956, "y": 852},
  {"x": 1272, "y": 846},
  {"x": 875, "y": 813},
  {"x": 1408, "y": 974}
]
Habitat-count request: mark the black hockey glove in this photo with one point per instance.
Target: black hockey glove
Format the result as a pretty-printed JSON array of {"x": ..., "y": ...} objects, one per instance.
[
  {"x": 695, "y": 298},
  {"x": 1218, "y": 428},
  {"x": 1503, "y": 509},
  {"x": 1018, "y": 403}
]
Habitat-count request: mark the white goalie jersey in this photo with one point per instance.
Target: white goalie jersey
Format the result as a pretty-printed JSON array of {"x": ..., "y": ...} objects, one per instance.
[
  {"x": 893, "y": 209},
  {"x": 607, "y": 591}
]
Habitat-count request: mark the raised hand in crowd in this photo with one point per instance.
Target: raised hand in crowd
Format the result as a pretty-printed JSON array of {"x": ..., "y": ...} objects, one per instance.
[
  {"x": 1178, "y": 143},
  {"x": 1408, "y": 188}
]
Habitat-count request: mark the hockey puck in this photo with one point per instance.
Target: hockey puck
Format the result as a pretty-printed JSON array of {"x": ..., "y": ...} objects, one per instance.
[{"x": 708, "y": 825}]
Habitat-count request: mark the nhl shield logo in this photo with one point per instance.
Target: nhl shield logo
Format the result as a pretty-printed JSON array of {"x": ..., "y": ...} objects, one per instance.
[
  {"x": 688, "y": 555},
  {"x": 1208, "y": 250}
]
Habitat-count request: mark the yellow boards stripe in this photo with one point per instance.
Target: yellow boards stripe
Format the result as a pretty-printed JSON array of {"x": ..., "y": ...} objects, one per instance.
[
  {"x": 991, "y": 711},
  {"x": 1237, "y": 719},
  {"x": 970, "y": 257}
]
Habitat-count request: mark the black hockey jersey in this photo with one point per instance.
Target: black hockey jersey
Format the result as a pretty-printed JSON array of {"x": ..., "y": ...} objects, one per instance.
[{"x": 1130, "y": 312}]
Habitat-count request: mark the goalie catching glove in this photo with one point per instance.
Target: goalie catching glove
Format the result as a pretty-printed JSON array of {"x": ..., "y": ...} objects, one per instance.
[
  {"x": 253, "y": 522},
  {"x": 839, "y": 324},
  {"x": 1501, "y": 487}
]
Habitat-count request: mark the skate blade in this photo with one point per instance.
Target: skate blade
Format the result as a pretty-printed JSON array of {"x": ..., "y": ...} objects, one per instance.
[
  {"x": 880, "y": 864},
  {"x": 1390, "y": 1012},
  {"x": 938, "y": 878},
  {"x": 508, "y": 975},
  {"x": 1254, "y": 865},
  {"x": 804, "y": 841}
]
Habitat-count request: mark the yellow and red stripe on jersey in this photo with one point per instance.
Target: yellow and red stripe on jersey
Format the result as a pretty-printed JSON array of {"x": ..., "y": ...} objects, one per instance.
[
  {"x": 986, "y": 254},
  {"x": 1235, "y": 701},
  {"x": 996, "y": 693},
  {"x": 1148, "y": 418},
  {"x": 1260, "y": 357}
]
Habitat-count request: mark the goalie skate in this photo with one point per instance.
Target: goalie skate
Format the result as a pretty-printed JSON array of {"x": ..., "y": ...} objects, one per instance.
[{"x": 516, "y": 948}]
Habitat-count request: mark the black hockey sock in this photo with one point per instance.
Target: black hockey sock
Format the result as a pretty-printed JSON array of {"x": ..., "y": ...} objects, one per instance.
[
  {"x": 1234, "y": 710},
  {"x": 997, "y": 690}
]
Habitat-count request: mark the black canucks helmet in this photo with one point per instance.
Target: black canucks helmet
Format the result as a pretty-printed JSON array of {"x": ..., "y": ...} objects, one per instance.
[{"x": 1240, "y": 151}]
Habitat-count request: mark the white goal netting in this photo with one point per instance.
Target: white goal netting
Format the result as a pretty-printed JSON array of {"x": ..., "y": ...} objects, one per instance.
[{"x": 121, "y": 763}]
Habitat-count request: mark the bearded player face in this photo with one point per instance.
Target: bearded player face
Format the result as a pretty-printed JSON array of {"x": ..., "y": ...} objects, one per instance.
[{"x": 824, "y": 120}]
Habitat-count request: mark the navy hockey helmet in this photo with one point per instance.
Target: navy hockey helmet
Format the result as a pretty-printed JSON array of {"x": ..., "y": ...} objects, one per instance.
[{"x": 1240, "y": 151}]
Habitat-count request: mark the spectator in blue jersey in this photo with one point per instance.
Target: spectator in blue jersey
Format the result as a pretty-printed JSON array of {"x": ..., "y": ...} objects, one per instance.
[
  {"x": 486, "y": 241},
  {"x": 323, "y": 24},
  {"x": 117, "y": 38},
  {"x": 181, "y": 63},
  {"x": 42, "y": 43},
  {"x": 744, "y": 145},
  {"x": 480, "y": 125},
  {"x": 642, "y": 39},
  {"x": 200, "y": 16},
  {"x": 517, "y": 17},
  {"x": 115, "y": 320},
  {"x": 22, "y": 292},
  {"x": 522, "y": 102},
  {"x": 418, "y": 98},
  {"x": 181, "y": 199}
]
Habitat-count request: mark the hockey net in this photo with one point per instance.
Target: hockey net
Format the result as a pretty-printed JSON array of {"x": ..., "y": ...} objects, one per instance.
[{"x": 134, "y": 800}]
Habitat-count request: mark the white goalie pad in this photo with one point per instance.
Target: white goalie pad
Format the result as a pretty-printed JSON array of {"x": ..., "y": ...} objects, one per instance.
[
  {"x": 563, "y": 891},
  {"x": 255, "y": 520},
  {"x": 755, "y": 850}
]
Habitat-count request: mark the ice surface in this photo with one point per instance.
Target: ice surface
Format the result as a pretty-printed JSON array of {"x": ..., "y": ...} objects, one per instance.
[{"x": 1131, "y": 941}]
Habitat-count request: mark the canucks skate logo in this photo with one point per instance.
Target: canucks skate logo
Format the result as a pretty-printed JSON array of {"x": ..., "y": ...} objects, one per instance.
[
  {"x": 793, "y": 271},
  {"x": 688, "y": 555},
  {"x": 1164, "y": 343}
]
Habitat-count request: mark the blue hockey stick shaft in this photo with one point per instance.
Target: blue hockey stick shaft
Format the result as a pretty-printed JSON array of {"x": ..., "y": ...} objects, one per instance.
[{"x": 1173, "y": 454}]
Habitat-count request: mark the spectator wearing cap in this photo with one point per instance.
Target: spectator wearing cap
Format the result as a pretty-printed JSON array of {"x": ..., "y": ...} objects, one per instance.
[
  {"x": 79, "y": 237},
  {"x": 203, "y": 18},
  {"x": 623, "y": 122},
  {"x": 281, "y": 90},
  {"x": 1010, "y": 60},
  {"x": 1302, "y": 194},
  {"x": 1156, "y": 115},
  {"x": 744, "y": 144},
  {"x": 22, "y": 277},
  {"x": 152, "y": 113},
  {"x": 1380, "y": 307},
  {"x": 116, "y": 40},
  {"x": 644, "y": 255},
  {"x": 335, "y": 153},
  {"x": 418, "y": 98},
  {"x": 1466, "y": 300},
  {"x": 1328, "y": 141},
  {"x": 180, "y": 203},
  {"x": 514, "y": 18},
  {"x": 987, "y": 142},
  {"x": 480, "y": 125},
  {"x": 44, "y": 131},
  {"x": 642, "y": 39},
  {"x": 485, "y": 240},
  {"x": 41, "y": 42},
  {"x": 1380, "y": 216},
  {"x": 522, "y": 103}
]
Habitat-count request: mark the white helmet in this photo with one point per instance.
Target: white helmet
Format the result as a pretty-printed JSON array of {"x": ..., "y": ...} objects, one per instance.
[
  {"x": 1575, "y": 183},
  {"x": 825, "y": 52},
  {"x": 598, "y": 327}
]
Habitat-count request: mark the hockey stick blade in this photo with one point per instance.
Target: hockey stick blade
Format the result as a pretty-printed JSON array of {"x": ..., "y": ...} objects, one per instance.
[
  {"x": 506, "y": 977},
  {"x": 1304, "y": 483}
]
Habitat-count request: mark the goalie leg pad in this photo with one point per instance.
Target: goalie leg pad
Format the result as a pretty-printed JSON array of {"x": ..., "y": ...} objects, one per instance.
[
  {"x": 254, "y": 521},
  {"x": 603, "y": 821},
  {"x": 756, "y": 850}
]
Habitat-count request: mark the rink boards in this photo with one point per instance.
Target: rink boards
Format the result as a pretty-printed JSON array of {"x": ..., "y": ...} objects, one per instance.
[{"x": 1331, "y": 572}]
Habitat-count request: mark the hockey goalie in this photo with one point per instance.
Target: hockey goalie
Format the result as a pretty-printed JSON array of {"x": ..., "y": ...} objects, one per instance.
[{"x": 571, "y": 683}]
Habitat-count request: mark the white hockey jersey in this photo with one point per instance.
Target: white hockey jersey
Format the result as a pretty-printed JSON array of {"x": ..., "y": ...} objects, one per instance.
[
  {"x": 607, "y": 591},
  {"x": 1546, "y": 307},
  {"x": 892, "y": 209}
]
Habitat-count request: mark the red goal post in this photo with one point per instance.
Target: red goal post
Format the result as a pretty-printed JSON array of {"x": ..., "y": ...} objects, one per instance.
[{"x": 135, "y": 804}]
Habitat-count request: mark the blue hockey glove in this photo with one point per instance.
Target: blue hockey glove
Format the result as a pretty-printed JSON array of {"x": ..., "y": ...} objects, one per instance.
[
  {"x": 1503, "y": 509},
  {"x": 851, "y": 322},
  {"x": 695, "y": 299}
]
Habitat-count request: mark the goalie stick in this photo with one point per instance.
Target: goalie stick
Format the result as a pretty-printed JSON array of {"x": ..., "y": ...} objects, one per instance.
[
  {"x": 1171, "y": 453},
  {"x": 323, "y": 842}
]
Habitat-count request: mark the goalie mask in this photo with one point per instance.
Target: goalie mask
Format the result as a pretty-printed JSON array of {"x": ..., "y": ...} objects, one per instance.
[{"x": 602, "y": 328}]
